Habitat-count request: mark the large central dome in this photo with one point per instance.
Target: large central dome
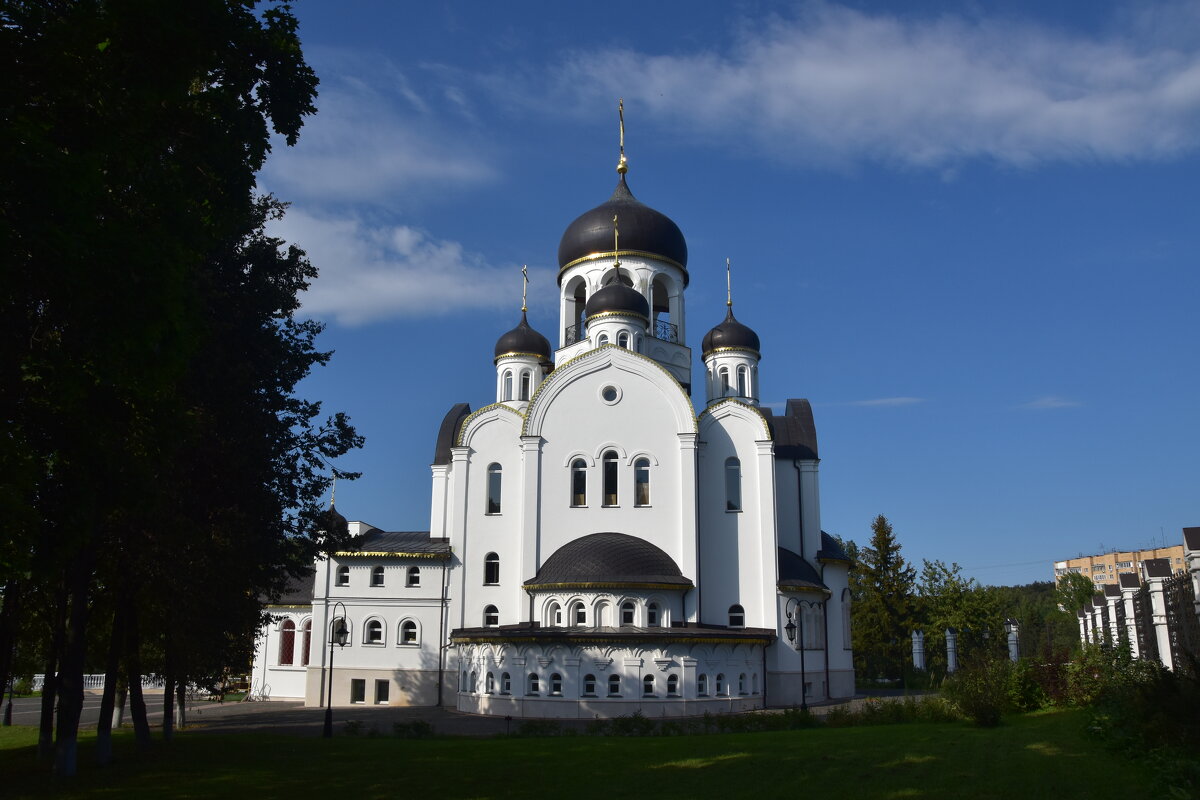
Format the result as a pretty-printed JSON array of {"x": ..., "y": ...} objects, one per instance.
[{"x": 642, "y": 229}]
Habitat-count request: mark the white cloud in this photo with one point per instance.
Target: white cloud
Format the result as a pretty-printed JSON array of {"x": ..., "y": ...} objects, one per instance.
[
  {"x": 1050, "y": 401},
  {"x": 889, "y": 401},
  {"x": 370, "y": 273},
  {"x": 835, "y": 85}
]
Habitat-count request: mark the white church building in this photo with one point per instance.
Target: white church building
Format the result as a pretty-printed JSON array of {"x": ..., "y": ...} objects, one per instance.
[{"x": 597, "y": 544}]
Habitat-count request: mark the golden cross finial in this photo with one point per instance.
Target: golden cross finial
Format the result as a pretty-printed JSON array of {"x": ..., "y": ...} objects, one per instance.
[
  {"x": 524, "y": 286},
  {"x": 728, "y": 287},
  {"x": 616, "y": 243},
  {"x": 333, "y": 493},
  {"x": 622, "y": 164}
]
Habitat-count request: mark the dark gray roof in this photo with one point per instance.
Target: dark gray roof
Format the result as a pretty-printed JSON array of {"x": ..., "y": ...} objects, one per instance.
[
  {"x": 831, "y": 550},
  {"x": 416, "y": 543},
  {"x": 794, "y": 432},
  {"x": 730, "y": 333},
  {"x": 299, "y": 590},
  {"x": 1128, "y": 580},
  {"x": 617, "y": 298},
  {"x": 609, "y": 558},
  {"x": 448, "y": 433},
  {"x": 689, "y": 632},
  {"x": 796, "y": 573},
  {"x": 642, "y": 229},
  {"x": 1191, "y": 538},
  {"x": 1112, "y": 590},
  {"x": 1158, "y": 567},
  {"x": 1098, "y": 599},
  {"x": 523, "y": 339}
]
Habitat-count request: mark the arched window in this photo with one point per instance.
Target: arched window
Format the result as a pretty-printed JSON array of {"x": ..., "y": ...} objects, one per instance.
[
  {"x": 641, "y": 482},
  {"x": 533, "y": 688},
  {"x": 648, "y": 686},
  {"x": 343, "y": 576},
  {"x": 578, "y": 304},
  {"x": 737, "y": 616},
  {"x": 491, "y": 569},
  {"x": 720, "y": 684},
  {"x": 489, "y": 684},
  {"x": 652, "y": 618},
  {"x": 525, "y": 380},
  {"x": 578, "y": 483},
  {"x": 491, "y": 617},
  {"x": 493, "y": 489},
  {"x": 578, "y": 614},
  {"x": 474, "y": 681},
  {"x": 702, "y": 685},
  {"x": 505, "y": 683},
  {"x": 602, "y": 339},
  {"x": 609, "y": 461},
  {"x": 556, "y": 685},
  {"x": 742, "y": 683},
  {"x": 743, "y": 382},
  {"x": 414, "y": 577},
  {"x": 614, "y": 685},
  {"x": 554, "y": 614},
  {"x": 408, "y": 632},
  {"x": 754, "y": 683},
  {"x": 627, "y": 612},
  {"x": 305, "y": 642},
  {"x": 287, "y": 643},
  {"x": 374, "y": 633},
  {"x": 623, "y": 339},
  {"x": 672, "y": 685},
  {"x": 814, "y": 628},
  {"x": 603, "y": 615},
  {"x": 723, "y": 380},
  {"x": 589, "y": 685},
  {"x": 377, "y": 576},
  {"x": 508, "y": 395},
  {"x": 733, "y": 484}
]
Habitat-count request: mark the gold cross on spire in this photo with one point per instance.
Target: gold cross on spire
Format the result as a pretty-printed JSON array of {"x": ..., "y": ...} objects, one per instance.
[
  {"x": 616, "y": 243},
  {"x": 524, "y": 286},
  {"x": 622, "y": 164},
  {"x": 728, "y": 287}
]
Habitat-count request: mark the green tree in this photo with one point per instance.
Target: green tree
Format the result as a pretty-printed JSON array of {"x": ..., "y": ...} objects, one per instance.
[
  {"x": 883, "y": 613},
  {"x": 1075, "y": 591},
  {"x": 948, "y": 599}
]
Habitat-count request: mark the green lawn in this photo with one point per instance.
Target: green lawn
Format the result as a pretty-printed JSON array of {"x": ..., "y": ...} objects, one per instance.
[{"x": 1043, "y": 755}]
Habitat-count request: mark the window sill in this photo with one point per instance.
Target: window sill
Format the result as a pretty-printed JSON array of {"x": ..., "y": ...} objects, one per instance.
[
  {"x": 374, "y": 644},
  {"x": 413, "y": 645},
  {"x": 733, "y": 511},
  {"x": 643, "y": 506},
  {"x": 492, "y": 514},
  {"x": 607, "y": 505}
]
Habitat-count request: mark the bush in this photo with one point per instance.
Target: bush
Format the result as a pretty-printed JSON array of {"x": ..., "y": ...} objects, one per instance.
[
  {"x": 633, "y": 725},
  {"x": 981, "y": 690},
  {"x": 416, "y": 729},
  {"x": 874, "y": 711},
  {"x": 1025, "y": 689},
  {"x": 539, "y": 728},
  {"x": 23, "y": 687}
]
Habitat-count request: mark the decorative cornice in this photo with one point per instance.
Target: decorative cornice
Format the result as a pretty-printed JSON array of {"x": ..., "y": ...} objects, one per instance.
[
  {"x": 743, "y": 404},
  {"x": 717, "y": 350},
  {"x": 791, "y": 589},
  {"x": 517, "y": 354},
  {"x": 462, "y": 430},
  {"x": 390, "y": 554},
  {"x": 604, "y": 314},
  {"x": 553, "y": 587},
  {"x": 617, "y": 254}
]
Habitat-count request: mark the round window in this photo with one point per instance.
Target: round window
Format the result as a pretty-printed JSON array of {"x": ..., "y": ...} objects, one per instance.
[{"x": 610, "y": 394}]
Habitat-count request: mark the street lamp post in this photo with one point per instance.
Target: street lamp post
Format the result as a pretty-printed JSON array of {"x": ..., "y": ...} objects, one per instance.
[
  {"x": 339, "y": 635},
  {"x": 790, "y": 629}
]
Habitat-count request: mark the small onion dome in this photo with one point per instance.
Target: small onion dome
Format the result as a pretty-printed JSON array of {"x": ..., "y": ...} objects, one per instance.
[
  {"x": 730, "y": 334},
  {"x": 608, "y": 559},
  {"x": 335, "y": 524},
  {"x": 617, "y": 298},
  {"x": 642, "y": 229},
  {"x": 523, "y": 339}
]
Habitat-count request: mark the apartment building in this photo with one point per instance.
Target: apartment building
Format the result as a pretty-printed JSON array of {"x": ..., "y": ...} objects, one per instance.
[{"x": 1104, "y": 568}]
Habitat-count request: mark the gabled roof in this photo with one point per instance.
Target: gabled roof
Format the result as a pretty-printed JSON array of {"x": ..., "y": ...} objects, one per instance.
[
  {"x": 1112, "y": 590},
  {"x": 1128, "y": 580},
  {"x": 794, "y": 432},
  {"x": 1157, "y": 567},
  {"x": 448, "y": 433},
  {"x": 411, "y": 544},
  {"x": 1191, "y": 538}
]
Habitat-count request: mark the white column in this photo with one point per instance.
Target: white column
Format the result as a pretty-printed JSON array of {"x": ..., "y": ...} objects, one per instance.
[
  {"x": 1158, "y": 605},
  {"x": 459, "y": 458},
  {"x": 918, "y": 653},
  {"x": 1127, "y": 595},
  {"x": 768, "y": 537},
  {"x": 951, "y": 650},
  {"x": 529, "y": 522},
  {"x": 689, "y": 529}
]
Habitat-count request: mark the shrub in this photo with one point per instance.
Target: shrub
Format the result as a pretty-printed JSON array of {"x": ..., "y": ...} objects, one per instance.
[
  {"x": 23, "y": 686},
  {"x": 539, "y": 728},
  {"x": 874, "y": 711},
  {"x": 634, "y": 724},
  {"x": 981, "y": 690},
  {"x": 1025, "y": 691},
  {"x": 416, "y": 729}
]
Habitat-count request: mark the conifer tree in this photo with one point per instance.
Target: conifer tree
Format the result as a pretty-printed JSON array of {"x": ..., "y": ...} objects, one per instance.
[{"x": 883, "y": 613}]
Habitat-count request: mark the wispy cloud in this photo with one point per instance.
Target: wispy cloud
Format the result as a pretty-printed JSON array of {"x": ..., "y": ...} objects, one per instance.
[
  {"x": 889, "y": 401},
  {"x": 1050, "y": 401},
  {"x": 837, "y": 85},
  {"x": 370, "y": 272}
]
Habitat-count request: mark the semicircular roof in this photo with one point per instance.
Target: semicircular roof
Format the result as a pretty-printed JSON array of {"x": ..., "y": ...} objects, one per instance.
[{"x": 608, "y": 559}]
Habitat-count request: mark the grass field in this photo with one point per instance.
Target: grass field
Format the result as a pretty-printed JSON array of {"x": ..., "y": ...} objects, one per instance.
[{"x": 1037, "y": 756}]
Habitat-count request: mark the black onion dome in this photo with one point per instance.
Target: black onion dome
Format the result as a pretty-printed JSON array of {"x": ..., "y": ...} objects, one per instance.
[
  {"x": 523, "y": 339},
  {"x": 642, "y": 229},
  {"x": 608, "y": 559},
  {"x": 617, "y": 298},
  {"x": 730, "y": 333}
]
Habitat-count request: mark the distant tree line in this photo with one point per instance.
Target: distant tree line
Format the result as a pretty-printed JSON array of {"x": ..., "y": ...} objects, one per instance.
[
  {"x": 158, "y": 473},
  {"x": 891, "y": 598}
]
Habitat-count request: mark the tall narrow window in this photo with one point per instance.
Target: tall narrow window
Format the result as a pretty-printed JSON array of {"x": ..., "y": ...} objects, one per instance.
[
  {"x": 648, "y": 686},
  {"x": 505, "y": 683},
  {"x": 533, "y": 683},
  {"x": 491, "y": 617},
  {"x": 742, "y": 683},
  {"x": 525, "y": 379},
  {"x": 578, "y": 483},
  {"x": 343, "y": 576},
  {"x": 627, "y": 612},
  {"x": 374, "y": 632},
  {"x": 287, "y": 643},
  {"x": 377, "y": 576},
  {"x": 623, "y": 339},
  {"x": 508, "y": 395},
  {"x": 743, "y": 381},
  {"x": 614, "y": 685},
  {"x": 408, "y": 632},
  {"x": 737, "y": 617},
  {"x": 602, "y": 339},
  {"x": 556, "y": 685},
  {"x": 305, "y": 642},
  {"x": 493, "y": 489},
  {"x": 652, "y": 616},
  {"x": 720, "y": 683},
  {"x": 491, "y": 568},
  {"x": 610, "y": 478},
  {"x": 641, "y": 482},
  {"x": 589, "y": 685},
  {"x": 414, "y": 576},
  {"x": 578, "y": 614},
  {"x": 554, "y": 614},
  {"x": 723, "y": 378},
  {"x": 733, "y": 484},
  {"x": 489, "y": 685},
  {"x": 672, "y": 685},
  {"x": 702, "y": 685}
]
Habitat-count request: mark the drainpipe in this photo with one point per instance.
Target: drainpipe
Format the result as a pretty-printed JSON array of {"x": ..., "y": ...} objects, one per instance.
[{"x": 442, "y": 635}]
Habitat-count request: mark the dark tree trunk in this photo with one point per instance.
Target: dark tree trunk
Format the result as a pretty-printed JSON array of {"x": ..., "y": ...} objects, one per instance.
[
  {"x": 181, "y": 703},
  {"x": 112, "y": 666},
  {"x": 168, "y": 723},
  {"x": 46, "y": 723},
  {"x": 9, "y": 613},
  {"x": 133, "y": 667},
  {"x": 70, "y": 700}
]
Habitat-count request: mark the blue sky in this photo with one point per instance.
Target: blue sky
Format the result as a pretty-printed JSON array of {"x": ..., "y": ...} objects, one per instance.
[{"x": 967, "y": 232}]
